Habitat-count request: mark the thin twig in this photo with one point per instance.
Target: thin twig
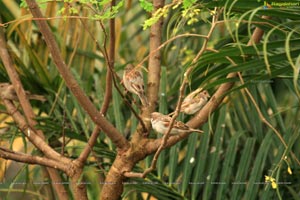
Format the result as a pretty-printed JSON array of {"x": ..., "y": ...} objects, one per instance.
[
  {"x": 117, "y": 138},
  {"x": 213, "y": 103},
  {"x": 115, "y": 76},
  {"x": 111, "y": 62},
  {"x": 182, "y": 87},
  {"x": 109, "y": 58},
  {"x": 153, "y": 145},
  {"x": 31, "y": 134},
  {"x": 63, "y": 134},
  {"x": 37, "y": 160},
  {"x": 167, "y": 42},
  {"x": 180, "y": 100}
]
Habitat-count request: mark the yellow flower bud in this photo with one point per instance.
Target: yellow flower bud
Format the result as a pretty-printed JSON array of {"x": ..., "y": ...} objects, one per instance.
[
  {"x": 274, "y": 184},
  {"x": 267, "y": 178},
  {"x": 289, "y": 170}
]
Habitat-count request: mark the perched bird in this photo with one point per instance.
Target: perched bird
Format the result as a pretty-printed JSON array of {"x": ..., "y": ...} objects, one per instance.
[
  {"x": 7, "y": 91},
  {"x": 160, "y": 123},
  {"x": 194, "y": 101},
  {"x": 134, "y": 82}
]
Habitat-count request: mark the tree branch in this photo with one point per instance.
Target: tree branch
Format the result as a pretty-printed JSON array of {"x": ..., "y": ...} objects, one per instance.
[
  {"x": 59, "y": 188},
  {"x": 114, "y": 189},
  {"x": 180, "y": 99},
  {"x": 154, "y": 66},
  {"x": 214, "y": 102},
  {"x": 108, "y": 88},
  {"x": 154, "y": 69},
  {"x": 25, "y": 158},
  {"x": 36, "y": 137},
  {"x": 111, "y": 62},
  {"x": 153, "y": 145},
  {"x": 117, "y": 138},
  {"x": 30, "y": 133},
  {"x": 16, "y": 82}
]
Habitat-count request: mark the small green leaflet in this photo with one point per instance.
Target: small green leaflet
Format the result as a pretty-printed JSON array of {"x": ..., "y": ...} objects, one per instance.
[{"x": 146, "y": 5}]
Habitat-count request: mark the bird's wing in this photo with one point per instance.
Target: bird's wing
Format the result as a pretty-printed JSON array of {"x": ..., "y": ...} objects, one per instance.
[{"x": 181, "y": 125}]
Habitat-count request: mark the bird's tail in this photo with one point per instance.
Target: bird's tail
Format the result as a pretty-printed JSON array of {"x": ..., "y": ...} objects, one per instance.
[
  {"x": 37, "y": 97},
  {"x": 197, "y": 130}
]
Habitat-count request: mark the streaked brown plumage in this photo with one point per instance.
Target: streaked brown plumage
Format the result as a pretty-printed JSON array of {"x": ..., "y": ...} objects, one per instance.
[
  {"x": 134, "y": 82},
  {"x": 160, "y": 123},
  {"x": 195, "y": 101}
]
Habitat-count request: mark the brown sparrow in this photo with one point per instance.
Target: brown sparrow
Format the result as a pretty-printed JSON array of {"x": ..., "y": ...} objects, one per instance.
[
  {"x": 7, "y": 91},
  {"x": 160, "y": 123},
  {"x": 134, "y": 82},
  {"x": 194, "y": 101}
]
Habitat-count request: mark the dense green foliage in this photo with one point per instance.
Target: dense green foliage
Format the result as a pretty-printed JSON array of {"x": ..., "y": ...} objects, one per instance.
[{"x": 237, "y": 151}]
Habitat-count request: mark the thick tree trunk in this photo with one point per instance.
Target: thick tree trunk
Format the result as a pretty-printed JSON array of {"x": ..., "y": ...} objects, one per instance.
[
  {"x": 77, "y": 182},
  {"x": 113, "y": 185}
]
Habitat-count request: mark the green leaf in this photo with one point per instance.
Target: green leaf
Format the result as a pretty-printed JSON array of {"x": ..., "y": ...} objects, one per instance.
[
  {"x": 188, "y": 3},
  {"x": 146, "y": 5}
]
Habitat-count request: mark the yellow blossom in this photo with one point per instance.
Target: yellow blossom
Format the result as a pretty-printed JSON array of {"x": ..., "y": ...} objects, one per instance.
[
  {"x": 274, "y": 184},
  {"x": 267, "y": 178},
  {"x": 289, "y": 170}
]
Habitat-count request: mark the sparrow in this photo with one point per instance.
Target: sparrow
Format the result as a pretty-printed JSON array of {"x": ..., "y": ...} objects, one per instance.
[
  {"x": 160, "y": 123},
  {"x": 194, "y": 101},
  {"x": 134, "y": 82},
  {"x": 7, "y": 91}
]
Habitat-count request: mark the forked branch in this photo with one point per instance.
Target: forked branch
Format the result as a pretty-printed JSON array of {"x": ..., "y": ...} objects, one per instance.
[{"x": 116, "y": 137}]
